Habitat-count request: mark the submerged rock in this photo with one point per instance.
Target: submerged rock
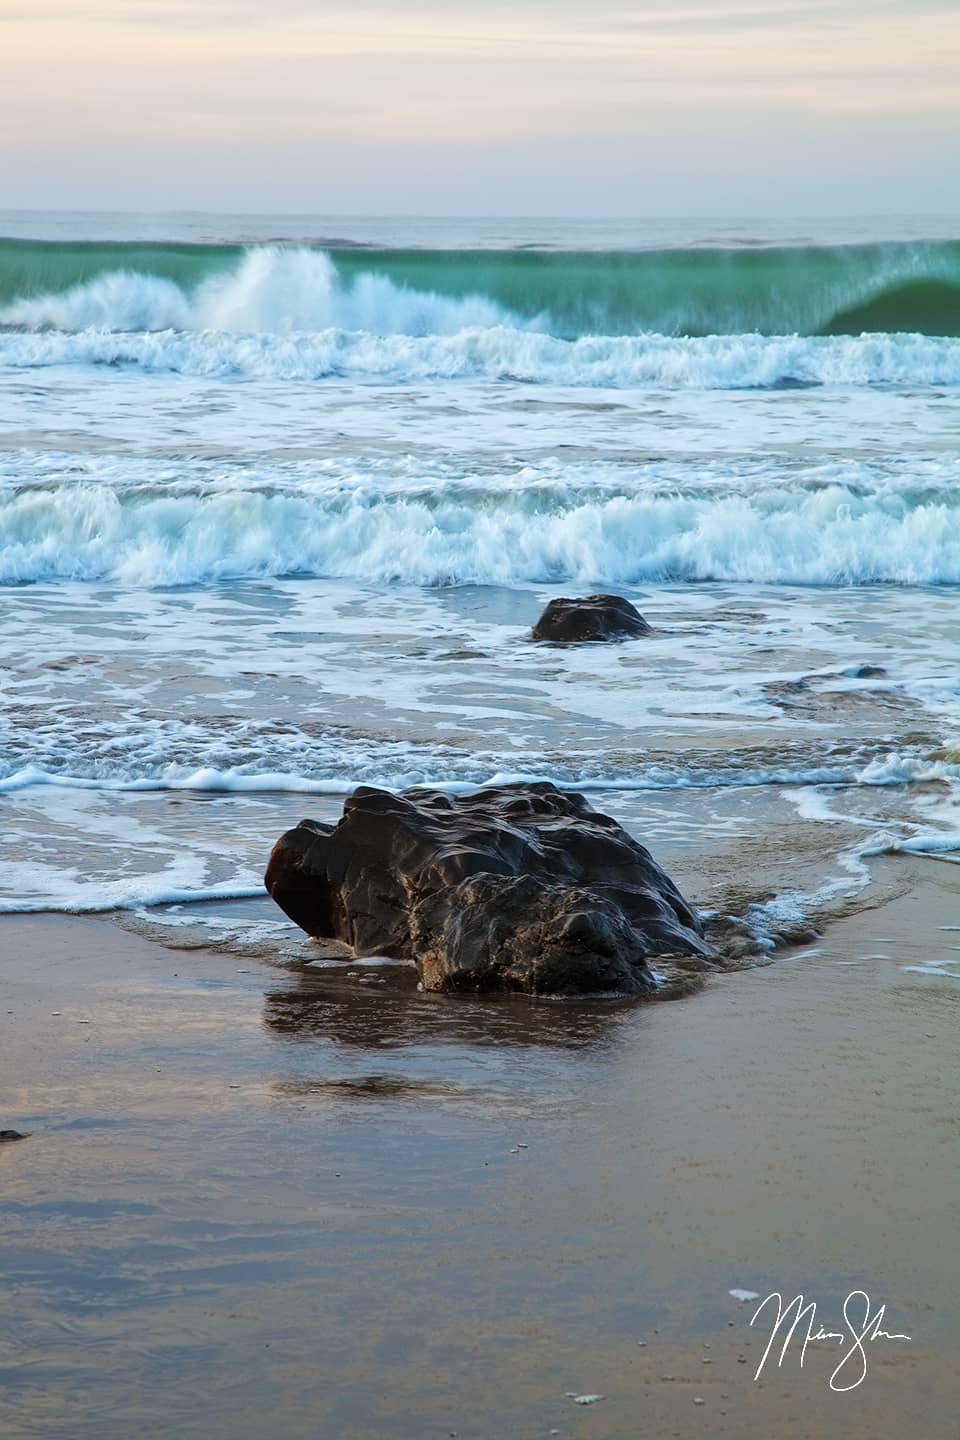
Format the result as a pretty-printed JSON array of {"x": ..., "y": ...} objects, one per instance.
[
  {"x": 591, "y": 617},
  {"x": 517, "y": 887},
  {"x": 6, "y": 1135}
]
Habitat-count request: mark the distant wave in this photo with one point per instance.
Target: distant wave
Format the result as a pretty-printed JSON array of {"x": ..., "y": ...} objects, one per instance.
[
  {"x": 834, "y": 534},
  {"x": 269, "y": 291},
  {"x": 879, "y": 288}
]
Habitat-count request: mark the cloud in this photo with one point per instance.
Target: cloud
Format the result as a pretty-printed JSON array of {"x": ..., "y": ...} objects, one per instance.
[
  {"x": 695, "y": 16},
  {"x": 222, "y": 92}
]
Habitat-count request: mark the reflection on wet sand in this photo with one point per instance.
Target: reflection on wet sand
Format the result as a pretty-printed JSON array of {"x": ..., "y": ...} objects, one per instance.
[
  {"x": 392, "y": 1013},
  {"x": 291, "y": 1200}
]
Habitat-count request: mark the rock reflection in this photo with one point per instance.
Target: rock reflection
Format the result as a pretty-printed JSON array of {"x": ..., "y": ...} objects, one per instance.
[
  {"x": 375, "y": 1087},
  {"x": 389, "y": 1012}
]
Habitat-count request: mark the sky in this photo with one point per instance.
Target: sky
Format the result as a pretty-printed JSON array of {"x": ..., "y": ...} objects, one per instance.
[{"x": 482, "y": 107}]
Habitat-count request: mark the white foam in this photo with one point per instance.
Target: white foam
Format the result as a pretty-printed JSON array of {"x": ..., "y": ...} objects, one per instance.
[
  {"x": 394, "y": 774},
  {"x": 503, "y": 352},
  {"x": 96, "y": 898},
  {"x": 899, "y": 768},
  {"x": 285, "y": 312},
  {"x": 448, "y": 535},
  {"x": 929, "y": 842},
  {"x": 274, "y": 290}
]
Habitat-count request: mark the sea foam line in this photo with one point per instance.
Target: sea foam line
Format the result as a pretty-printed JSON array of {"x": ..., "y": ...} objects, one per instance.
[
  {"x": 503, "y": 352},
  {"x": 158, "y": 895},
  {"x": 895, "y": 769}
]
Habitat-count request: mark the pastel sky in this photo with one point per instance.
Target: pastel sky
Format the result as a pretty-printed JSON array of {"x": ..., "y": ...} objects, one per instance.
[{"x": 620, "y": 107}]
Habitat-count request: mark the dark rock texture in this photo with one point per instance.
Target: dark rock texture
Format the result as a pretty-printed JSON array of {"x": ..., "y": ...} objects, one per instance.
[
  {"x": 518, "y": 887},
  {"x": 592, "y": 617},
  {"x": 865, "y": 672},
  {"x": 10, "y": 1135}
]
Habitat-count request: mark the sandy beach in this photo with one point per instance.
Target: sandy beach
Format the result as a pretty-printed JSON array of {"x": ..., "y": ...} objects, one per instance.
[
  {"x": 479, "y": 720},
  {"x": 302, "y": 1201}
]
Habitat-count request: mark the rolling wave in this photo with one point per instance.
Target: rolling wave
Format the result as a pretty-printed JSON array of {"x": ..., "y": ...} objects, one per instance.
[
  {"x": 830, "y": 535},
  {"x": 878, "y": 288},
  {"x": 270, "y": 291},
  {"x": 500, "y": 353}
]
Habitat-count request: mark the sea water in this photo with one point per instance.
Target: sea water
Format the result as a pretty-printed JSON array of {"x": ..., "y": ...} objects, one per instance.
[{"x": 280, "y": 498}]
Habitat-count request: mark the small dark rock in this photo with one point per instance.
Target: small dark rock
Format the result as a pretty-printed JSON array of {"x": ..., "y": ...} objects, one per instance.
[
  {"x": 865, "y": 672},
  {"x": 517, "y": 887},
  {"x": 592, "y": 617},
  {"x": 11, "y": 1135}
]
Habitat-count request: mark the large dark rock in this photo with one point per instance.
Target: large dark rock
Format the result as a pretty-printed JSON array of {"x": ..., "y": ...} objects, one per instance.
[
  {"x": 591, "y": 617},
  {"x": 518, "y": 887}
]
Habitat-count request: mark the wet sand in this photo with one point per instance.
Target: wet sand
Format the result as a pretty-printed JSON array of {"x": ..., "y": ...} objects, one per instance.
[{"x": 292, "y": 1201}]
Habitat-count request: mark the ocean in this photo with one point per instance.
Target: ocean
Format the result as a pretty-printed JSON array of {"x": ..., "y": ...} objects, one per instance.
[{"x": 281, "y": 498}]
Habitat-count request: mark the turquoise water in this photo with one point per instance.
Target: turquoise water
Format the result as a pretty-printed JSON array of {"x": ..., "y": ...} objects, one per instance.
[{"x": 888, "y": 287}]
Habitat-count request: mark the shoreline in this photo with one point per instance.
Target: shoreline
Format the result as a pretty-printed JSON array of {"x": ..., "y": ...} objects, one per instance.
[{"x": 276, "y": 1198}]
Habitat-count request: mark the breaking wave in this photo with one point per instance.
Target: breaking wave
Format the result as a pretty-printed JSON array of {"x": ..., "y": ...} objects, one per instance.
[
  {"x": 271, "y": 291},
  {"x": 499, "y": 352},
  {"x": 806, "y": 290},
  {"x": 834, "y": 534},
  {"x": 880, "y": 315}
]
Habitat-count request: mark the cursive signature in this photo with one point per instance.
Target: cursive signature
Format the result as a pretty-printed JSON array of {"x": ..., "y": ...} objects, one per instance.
[{"x": 860, "y": 1330}]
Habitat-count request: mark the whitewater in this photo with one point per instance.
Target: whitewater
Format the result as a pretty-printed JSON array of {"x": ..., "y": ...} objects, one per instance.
[
  {"x": 592, "y": 524},
  {"x": 280, "y": 501},
  {"x": 294, "y": 314}
]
